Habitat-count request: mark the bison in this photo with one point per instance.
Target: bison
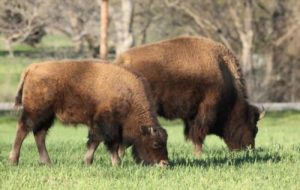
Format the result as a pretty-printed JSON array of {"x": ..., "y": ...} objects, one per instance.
[
  {"x": 114, "y": 103},
  {"x": 199, "y": 81}
]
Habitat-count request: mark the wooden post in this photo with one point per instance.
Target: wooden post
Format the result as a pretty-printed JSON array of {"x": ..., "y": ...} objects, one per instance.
[{"x": 104, "y": 29}]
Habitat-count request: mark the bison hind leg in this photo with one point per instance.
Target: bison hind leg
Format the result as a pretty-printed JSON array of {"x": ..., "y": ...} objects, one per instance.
[
  {"x": 22, "y": 130},
  {"x": 40, "y": 131}
]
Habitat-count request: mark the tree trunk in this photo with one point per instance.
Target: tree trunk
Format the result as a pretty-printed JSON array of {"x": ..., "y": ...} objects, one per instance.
[
  {"x": 77, "y": 27},
  {"x": 104, "y": 29},
  {"x": 8, "y": 47},
  {"x": 293, "y": 81},
  {"x": 269, "y": 68},
  {"x": 247, "y": 57},
  {"x": 297, "y": 79},
  {"x": 245, "y": 31},
  {"x": 123, "y": 26},
  {"x": 247, "y": 61}
]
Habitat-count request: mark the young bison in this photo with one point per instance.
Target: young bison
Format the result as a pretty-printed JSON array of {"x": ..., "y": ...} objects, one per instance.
[
  {"x": 114, "y": 104},
  {"x": 199, "y": 81}
]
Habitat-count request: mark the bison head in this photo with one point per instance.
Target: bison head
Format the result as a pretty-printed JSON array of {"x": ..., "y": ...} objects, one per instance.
[
  {"x": 151, "y": 147},
  {"x": 242, "y": 128}
]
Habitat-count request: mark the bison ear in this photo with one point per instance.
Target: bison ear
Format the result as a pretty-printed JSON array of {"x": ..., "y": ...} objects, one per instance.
[
  {"x": 258, "y": 112},
  {"x": 262, "y": 114},
  {"x": 145, "y": 130}
]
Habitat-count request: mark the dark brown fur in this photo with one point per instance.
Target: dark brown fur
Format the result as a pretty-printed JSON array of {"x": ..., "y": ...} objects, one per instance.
[
  {"x": 199, "y": 81},
  {"x": 114, "y": 103}
]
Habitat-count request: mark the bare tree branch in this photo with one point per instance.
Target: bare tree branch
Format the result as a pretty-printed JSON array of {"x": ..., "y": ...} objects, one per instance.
[
  {"x": 289, "y": 32},
  {"x": 206, "y": 25}
]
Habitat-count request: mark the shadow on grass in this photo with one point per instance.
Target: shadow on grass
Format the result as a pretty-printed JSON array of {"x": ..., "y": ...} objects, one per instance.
[{"x": 229, "y": 159}]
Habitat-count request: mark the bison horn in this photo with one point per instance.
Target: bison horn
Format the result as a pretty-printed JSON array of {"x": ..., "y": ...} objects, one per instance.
[
  {"x": 152, "y": 130},
  {"x": 146, "y": 130},
  {"x": 262, "y": 113}
]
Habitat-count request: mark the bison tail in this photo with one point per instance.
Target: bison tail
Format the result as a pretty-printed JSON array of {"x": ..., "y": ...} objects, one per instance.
[{"x": 18, "y": 100}]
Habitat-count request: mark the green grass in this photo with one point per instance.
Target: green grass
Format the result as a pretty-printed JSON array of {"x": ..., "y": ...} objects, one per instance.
[{"x": 274, "y": 165}]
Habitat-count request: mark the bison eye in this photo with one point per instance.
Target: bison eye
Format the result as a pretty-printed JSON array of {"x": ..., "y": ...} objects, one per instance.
[{"x": 156, "y": 145}]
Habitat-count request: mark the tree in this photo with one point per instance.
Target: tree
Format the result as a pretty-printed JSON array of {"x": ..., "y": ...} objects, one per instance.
[
  {"x": 146, "y": 14},
  {"x": 276, "y": 27},
  {"x": 122, "y": 16},
  {"x": 21, "y": 21},
  {"x": 77, "y": 20}
]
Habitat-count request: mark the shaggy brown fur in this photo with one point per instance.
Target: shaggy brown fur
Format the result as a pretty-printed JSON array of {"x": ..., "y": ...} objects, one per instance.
[
  {"x": 114, "y": 104},
  {"x": 199, "y": 81}
]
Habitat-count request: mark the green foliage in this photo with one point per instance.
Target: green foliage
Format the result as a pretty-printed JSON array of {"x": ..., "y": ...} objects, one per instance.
[{"x": 274, "y": 165}]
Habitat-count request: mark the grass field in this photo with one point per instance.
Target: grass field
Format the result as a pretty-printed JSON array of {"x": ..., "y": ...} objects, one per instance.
[{"x": 274, "y": 165}]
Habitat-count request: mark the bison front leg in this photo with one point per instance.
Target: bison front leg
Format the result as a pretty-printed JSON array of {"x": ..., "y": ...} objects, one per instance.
[
  {"x": 204, "y": 121},
  {"x": 113, "y": 149},
  {"x": 91, "y": 148},
  {"x": 198, "y": 149},
  {"x": 122, "y": 149},
  {"x": 187, "y": 125},
  {"x": 197, "y": 135},
  {"x": 189, "y": 135},
  {"x": 22, "y": 131},
  {"x": 94, "y": 139},
  {"x": 192, "y": 131},
  {"x": 115, "y": 159}
]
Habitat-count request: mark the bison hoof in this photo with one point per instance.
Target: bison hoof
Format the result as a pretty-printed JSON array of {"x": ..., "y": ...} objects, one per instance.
[
  {"x": 88, "y": 162},
  {"x": 197, "y": 153},
  {"x": 44, "y": 163},
  {"x": 13, "y": 162},
  {"x": 121, "y": 152},
  {"x": 13, "y": 159},
  {"x": 163, "y": 163},
  {"x": 116, "y": 162}
]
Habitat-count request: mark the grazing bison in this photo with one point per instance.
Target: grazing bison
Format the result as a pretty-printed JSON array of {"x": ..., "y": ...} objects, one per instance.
[
  {"x": 199, "y": 81},
  {"x": 114, "y": 104}
]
